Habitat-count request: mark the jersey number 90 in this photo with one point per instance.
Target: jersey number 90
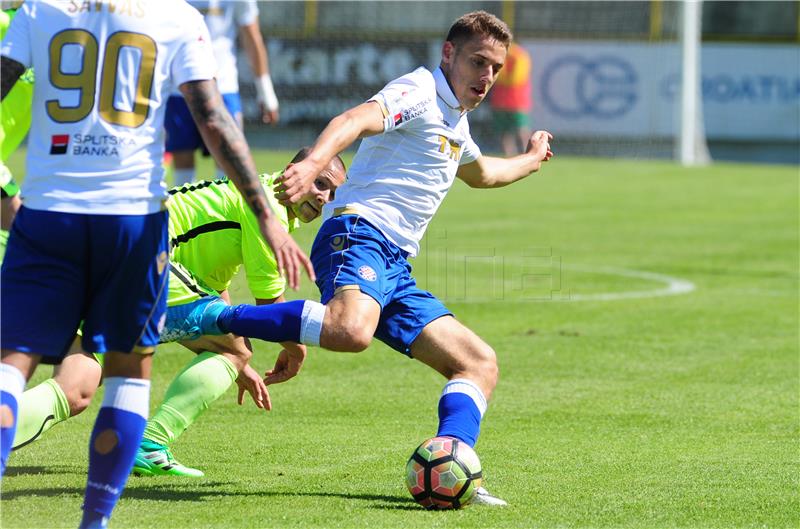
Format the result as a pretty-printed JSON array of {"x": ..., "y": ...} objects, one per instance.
[{"x": 85, "y": 79}]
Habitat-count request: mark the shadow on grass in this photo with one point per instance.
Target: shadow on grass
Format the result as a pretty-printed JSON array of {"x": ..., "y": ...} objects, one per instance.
[
  {"x": 194, "y": 491},
  {"x": 28, "y": 470}
]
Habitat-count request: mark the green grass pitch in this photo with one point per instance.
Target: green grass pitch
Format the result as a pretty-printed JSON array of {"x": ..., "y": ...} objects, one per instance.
[{"x": 618, "y": 406}]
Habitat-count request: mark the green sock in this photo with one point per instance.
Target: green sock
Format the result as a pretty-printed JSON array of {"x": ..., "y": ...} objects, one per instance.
[
  {"x": 200, "y": 383},
  {"x": 40, "y": 408}
]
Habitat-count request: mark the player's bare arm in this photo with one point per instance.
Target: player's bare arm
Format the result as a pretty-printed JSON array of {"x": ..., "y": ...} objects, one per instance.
[
  {"x": 227, "y": 143},
  {"x": 490, "y": 171},
  {"x": 364, "y": 120},
  {"x": 253, "y": 44},
  {"x": 12, "y": 70}
]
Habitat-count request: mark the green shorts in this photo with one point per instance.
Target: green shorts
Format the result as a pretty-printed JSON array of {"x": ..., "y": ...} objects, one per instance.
[{"x": 504, "y": 121}]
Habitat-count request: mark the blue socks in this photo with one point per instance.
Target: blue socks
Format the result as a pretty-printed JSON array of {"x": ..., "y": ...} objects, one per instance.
[
  {"x": 293, "y": 321},
  {"x": 12, "y": 384},
  {"x": 113, "y": 446},
  {"x": 461, "y": 408}
]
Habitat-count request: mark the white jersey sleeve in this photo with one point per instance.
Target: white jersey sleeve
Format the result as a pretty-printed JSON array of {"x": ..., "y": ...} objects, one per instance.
[
  {"x": 403, "y": 101},
  {"x": 195, "y": 51}
]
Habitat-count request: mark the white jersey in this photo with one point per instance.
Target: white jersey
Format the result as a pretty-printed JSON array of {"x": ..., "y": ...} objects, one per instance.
[
  {"x": 223, "y": 18},
  {"x": 399, "y": 179},
  {"x": 104, "y": 72}
]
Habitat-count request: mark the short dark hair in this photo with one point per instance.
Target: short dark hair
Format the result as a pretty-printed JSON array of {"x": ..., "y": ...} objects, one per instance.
[{"x": 479, "y": 23}]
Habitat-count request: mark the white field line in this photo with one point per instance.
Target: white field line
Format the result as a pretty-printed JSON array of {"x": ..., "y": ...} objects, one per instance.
[{"x": 674, "y": 286}]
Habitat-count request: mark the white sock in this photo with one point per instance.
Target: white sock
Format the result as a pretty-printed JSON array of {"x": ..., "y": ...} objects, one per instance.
[
  {"x": 129, "y": 394},
  {"x": 311, "y": 322},
  {"x": 12, "y": 380},
  {"x": 468, "y": 388}
]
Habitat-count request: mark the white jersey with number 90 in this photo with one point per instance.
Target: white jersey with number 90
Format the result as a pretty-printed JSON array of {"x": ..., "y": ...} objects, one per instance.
[{"x": 104, "y": 71}]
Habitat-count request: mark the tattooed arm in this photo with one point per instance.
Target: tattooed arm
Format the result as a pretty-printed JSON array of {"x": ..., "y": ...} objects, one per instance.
[
  {"x": 12, "y": 70},
  {"x": 227, "y": 144}
]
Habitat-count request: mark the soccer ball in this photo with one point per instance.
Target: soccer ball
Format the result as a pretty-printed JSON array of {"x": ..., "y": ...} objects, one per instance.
[{"x": 443, "y": 473}]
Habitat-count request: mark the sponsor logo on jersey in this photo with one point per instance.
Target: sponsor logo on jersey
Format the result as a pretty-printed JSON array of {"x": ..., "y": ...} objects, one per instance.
[
  {"x": 398, "y": 118},
  {"x": 99, "y": 144},
  {"x": 59, "y": 143},
  {"x": 366, "y": 272},
  {"x": 337, "y": 243}
]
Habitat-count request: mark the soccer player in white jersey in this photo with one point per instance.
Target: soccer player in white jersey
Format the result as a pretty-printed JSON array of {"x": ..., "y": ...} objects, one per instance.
[
  {"x": 225, "y": 19},
  {"x": 90, "y": 241},
  {"x": 416, "y": 142}
]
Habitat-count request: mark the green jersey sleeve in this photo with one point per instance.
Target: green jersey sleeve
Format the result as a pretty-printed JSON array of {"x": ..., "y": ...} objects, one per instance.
[{"x": 15, "y": 110}]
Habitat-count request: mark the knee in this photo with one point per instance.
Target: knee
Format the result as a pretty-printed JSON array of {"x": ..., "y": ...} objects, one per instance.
[
  {"x": 357, "y": 338},
  {"x": 79, "y": 397}
]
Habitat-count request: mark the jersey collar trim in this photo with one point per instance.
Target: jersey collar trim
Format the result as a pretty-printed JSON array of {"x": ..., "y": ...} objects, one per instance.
[{"x": 444, "y": 92}]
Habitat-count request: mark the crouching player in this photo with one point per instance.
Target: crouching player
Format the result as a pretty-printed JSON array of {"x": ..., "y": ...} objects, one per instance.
[{"x": 211, "y": 234}]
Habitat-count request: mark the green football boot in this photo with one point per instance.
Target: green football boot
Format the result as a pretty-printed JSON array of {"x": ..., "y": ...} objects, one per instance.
[{"x": 154, "y": 459}]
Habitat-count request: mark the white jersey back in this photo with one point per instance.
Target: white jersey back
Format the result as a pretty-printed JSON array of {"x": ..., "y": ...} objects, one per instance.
[
  {"x": 399, "y": 179},
  {"x": 104, "y": 71},
  {"x": 223, "y": 18}
]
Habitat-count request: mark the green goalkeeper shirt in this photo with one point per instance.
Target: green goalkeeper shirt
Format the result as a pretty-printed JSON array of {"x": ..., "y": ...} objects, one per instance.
[{"x": 213, "y": 232}]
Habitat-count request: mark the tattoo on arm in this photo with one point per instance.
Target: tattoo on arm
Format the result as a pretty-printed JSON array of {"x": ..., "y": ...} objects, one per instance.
[
  {"x": 12, "y": 70},
  {"x": 225, "y": 140}
]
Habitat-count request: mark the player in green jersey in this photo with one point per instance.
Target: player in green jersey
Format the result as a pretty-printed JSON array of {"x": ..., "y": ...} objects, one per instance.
[
  {"x": 212, "y": 234},
  {"x": 15, "y": 120}
]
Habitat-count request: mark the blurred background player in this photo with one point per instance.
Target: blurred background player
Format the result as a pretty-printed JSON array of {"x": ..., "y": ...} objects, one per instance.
[
  {"x": 225, "y": 19},
  {"x": 212, "y": 234},
  {"x": 95, "y": 180},
  {"x": 511, "y": 101}
]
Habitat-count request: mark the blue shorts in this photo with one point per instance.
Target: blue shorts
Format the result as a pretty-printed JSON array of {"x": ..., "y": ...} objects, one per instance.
[
  {"x": 349, "y": 251},
  {"x": 109, "y": 271},
  {"x": 182, "y": 133}
]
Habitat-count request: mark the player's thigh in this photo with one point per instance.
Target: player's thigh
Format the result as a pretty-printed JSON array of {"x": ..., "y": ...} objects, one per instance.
[
  {"x": 43, "y": 283},
  {"x": 449, "y": 347},
  {"x": 182, "y": 132},
  {"x": 128, "y": 283}
]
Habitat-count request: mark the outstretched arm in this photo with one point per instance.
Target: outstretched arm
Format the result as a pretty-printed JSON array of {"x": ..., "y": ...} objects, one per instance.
[
  {"x": 364, "y": 120},
  {"x": 227, "y": 144},
  {"x": 12, "y": 70},
  {"x": 253, "y": 43},
  {"x": 488, "y": 171}
]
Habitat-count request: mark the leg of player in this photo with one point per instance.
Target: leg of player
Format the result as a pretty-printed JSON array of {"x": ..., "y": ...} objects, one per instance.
[
  {"x": 183, "y": 164},
  {"x": 55, "y": 400},
  {"x": 15, "y": 370},
  {"x": 201, "y": 382},
  {"x": 470, "y": 365},
  {"x": 117, "y": 433},
  {"x": 293, "y": 321}
]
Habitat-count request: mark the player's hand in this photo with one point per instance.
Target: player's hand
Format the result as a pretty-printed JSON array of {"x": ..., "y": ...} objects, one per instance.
[
  {"x": 287, "y": 365},
  {"x": 290, "y": 258},
  {"x": 539, "y": 145},
  {"x": 270, "y": 117},
  {"x": 249, "y": 381},
  {"x": 295, "y": 182}
]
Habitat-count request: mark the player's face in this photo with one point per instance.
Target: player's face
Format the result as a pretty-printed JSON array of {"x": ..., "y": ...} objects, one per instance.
[
  {"x": 472, "y": 68},
  {"x": 322, "y": 192}
]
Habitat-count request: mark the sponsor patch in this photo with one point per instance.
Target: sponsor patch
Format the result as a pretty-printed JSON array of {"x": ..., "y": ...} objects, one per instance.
[
  {"x": 59, "y": 143},
  {"x": 367, "y": 273}
]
